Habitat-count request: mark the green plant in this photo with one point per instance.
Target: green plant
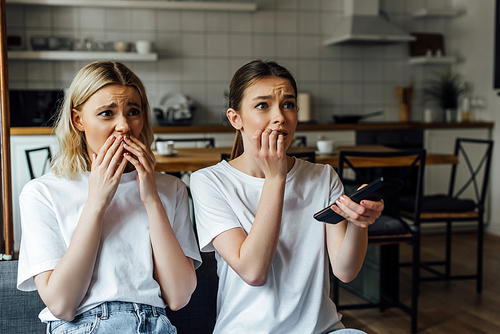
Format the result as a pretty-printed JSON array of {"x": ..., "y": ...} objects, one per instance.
[{"x": 445, "y": 89}]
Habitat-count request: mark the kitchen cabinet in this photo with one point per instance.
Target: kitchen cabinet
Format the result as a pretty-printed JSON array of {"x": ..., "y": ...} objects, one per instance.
[
  {"x": 144, "y": 4},
  {"x": 20, "y": 171},
  {"x": 82, "y": 55}
]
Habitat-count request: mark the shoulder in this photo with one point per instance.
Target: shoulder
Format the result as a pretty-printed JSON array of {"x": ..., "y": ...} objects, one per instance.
[
  {"x": 47, "y": 183},
  {"x": 310, "y": 169}
]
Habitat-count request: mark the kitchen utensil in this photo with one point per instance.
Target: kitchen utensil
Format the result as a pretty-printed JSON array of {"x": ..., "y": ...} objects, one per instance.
[
  {"x": 341, "y": 119},
  {"x": 174, "y": 109},
  {"x": 404, "y": 95},
  {"x": 121, "y": 46}
]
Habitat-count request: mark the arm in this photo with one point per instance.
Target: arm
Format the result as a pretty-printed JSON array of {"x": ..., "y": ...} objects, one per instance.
[
  {"x": 63, "y": 289},
  {"x": 176, "y": 285},
  {"x": 347, "y": 241},
  {"x": 251, "y": 255}
]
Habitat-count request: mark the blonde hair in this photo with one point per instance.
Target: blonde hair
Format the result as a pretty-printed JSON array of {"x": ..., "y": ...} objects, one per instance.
[
  {"x": 245, "y": 77},
  {"x": 72, "y": 157}
]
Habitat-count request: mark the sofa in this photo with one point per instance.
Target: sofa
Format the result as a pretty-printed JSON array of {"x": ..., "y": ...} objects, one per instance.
[{"x": 19, "y": 310}]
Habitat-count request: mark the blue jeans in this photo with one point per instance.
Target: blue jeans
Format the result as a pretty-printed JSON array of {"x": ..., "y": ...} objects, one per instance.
[{"x": 116, "y": 317}]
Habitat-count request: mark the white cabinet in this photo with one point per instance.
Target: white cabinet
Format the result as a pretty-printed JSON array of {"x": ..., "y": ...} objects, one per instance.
[{"x": 20, "y": 172}]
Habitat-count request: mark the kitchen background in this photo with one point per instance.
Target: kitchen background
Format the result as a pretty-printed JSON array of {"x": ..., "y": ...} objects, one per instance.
[{"x": 200, "y": 50}]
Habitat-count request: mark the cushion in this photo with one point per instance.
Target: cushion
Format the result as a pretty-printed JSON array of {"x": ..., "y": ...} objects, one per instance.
[
  {"x": 385, "y": 225},
  {"x": 19, "y": 309},
  {"x": 438, "y": 203}
]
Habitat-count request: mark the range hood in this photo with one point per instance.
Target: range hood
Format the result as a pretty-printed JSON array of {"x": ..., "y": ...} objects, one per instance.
[{"x": 362, "y": 24}]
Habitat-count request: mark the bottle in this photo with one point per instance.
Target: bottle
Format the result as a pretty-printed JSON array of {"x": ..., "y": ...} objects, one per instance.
[{"x": 465, "y": 109}]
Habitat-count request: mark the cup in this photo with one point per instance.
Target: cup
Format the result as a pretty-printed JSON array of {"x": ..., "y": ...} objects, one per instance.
[
  {"x": 121, "y": 46},
  {"x": 325, "y": 146},
  {"x": 144, "y": 46},
  {"x": 165, "y": 147}
]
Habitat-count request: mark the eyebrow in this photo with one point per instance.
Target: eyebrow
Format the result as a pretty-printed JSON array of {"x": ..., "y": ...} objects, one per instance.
[
  {"x": 268, "y": 97},
  {"x": 113, "y": 105}
]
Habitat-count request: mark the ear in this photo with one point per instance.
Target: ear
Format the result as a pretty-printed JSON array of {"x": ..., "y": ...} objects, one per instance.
[
  {"x": 234, "y": 118},
  {"x": 76, "y": 117}
]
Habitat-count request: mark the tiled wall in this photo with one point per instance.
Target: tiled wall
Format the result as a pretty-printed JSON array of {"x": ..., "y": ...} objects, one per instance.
[{"x": 200, "y": 50}]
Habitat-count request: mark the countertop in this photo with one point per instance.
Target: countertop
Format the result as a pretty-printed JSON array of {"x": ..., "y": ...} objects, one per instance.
[{"x": 301, "y": 127}]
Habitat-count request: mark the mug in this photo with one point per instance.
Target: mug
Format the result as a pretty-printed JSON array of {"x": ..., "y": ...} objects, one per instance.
[
  {"x": 144, "y": 46},
  {"x": 325, "y": 146},
  {"x": 165, "y": 147}
]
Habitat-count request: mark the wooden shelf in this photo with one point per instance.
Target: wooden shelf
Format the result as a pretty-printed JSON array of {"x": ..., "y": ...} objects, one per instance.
[
  {"x": 442, "y": 13},
  {"x": 145, "y": 4},
  {"x": 424, "y": 60},
  {"x": 82, "y": 55}
]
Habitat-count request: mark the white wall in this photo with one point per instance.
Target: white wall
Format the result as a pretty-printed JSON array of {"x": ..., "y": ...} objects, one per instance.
[{"x": 473, "y": 38}]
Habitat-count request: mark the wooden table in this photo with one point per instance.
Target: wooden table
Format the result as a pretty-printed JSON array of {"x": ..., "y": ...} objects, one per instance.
[{"x": 192, "y": 159}]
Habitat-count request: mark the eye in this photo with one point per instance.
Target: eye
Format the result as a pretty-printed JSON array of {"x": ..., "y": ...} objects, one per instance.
[
  {"x": 289, "y": 105},
  {"x": 261, "y": 105},
  {"x": 106, "y": 113},
  {"x": 134, "y": 112}
]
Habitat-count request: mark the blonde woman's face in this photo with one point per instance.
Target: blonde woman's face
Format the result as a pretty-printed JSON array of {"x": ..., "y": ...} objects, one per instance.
[{"x": 112, "y": 110}]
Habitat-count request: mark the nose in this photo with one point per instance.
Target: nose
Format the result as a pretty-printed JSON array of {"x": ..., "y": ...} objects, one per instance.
[
  {"x": 278, "y": 117},
  {"x": 122, "y": 126}
]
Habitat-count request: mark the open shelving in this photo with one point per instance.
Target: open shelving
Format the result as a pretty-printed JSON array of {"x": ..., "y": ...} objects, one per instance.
[
  {"x": 436, "y": 12},
  {"x": 82, "y": 55},
  {"x": 426, "y": 60},
  {"x": 146, "y": 4}
]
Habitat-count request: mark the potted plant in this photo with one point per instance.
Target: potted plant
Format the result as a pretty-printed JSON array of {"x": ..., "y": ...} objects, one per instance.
[{"x": 445, "y": 90}]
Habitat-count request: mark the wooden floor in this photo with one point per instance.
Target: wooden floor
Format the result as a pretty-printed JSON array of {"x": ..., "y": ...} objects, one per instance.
[{"x": 444, "y": 307}]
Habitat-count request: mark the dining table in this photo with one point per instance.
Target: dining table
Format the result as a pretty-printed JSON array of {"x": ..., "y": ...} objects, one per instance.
[{"x": 193, "y": 159}]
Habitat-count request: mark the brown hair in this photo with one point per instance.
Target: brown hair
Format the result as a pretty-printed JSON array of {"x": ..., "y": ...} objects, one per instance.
[
  {"x": 72, "y": 157},
  {"x": 246, "y": 76}
]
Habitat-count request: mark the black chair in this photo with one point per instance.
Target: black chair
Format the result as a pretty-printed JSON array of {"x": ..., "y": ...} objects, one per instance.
[
  {"x": 455, "y": 208},
  {"x": 19, "y": 309},
  {"x": 389, "y": 230},
  {"x": 47, "y": 158}
]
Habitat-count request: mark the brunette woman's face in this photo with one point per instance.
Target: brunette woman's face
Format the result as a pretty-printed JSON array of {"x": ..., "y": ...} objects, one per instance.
[
  {"x": 269, "y": 103},
  {"x": 112, "y": 110}
]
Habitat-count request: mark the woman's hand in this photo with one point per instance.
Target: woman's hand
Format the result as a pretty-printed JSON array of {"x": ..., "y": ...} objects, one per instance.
[
  {"x": 137, "y": 154},
  {"x": 363, "y": 214},
  {"x": 106, "y": 171},
  {"x": 270, "y": 153}
]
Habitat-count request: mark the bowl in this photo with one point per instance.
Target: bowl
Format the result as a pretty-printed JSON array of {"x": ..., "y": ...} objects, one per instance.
[{"x": 121, "y": 46}]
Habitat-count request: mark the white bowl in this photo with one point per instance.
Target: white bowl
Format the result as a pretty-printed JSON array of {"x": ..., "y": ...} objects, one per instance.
[{"x": 121, "y": 46}]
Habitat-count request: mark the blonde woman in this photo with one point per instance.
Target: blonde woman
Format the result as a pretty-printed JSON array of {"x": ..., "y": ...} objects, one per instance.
[
  {"x": 106, "y": 241},
  {"x": 256, "y": 212}
]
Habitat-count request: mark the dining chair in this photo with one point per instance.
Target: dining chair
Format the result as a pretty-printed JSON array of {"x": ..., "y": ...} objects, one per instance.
[
  {"x": 472, "y": 172},
  {"x": 46, "y": 159},
  {"x": 389, "y": 230}
]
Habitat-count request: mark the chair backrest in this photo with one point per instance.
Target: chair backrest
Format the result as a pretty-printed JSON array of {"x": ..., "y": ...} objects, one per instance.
[
  {"x": 208, "y": 142},
  {"x": 46, "y": 158},
  {"x": 19, "y": 309},
  {"x": 475, "y": 161},
  {"x": 400, "y": 164}
]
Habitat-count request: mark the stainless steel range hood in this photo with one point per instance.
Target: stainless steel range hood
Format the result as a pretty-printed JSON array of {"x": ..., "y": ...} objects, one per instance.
[{"x": 362, "y": 24}]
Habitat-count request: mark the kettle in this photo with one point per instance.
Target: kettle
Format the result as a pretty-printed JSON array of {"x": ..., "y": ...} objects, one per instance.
[{"x": 174, "y": 109}]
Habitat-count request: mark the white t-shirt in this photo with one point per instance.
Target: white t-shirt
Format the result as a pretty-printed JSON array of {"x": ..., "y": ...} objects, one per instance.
[
  {"x": 50, "y": 209},
  {"x": 295, "y": 298}
]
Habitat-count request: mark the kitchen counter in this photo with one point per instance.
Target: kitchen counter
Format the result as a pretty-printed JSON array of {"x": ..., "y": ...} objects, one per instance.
[{"x": 301, "y": 127}]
